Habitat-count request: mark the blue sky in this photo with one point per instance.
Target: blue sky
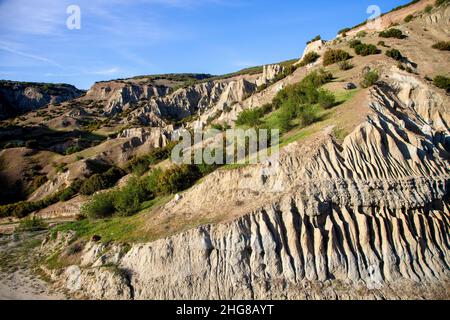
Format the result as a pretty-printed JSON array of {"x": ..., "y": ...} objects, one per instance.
[{"x": 120, "y": 38}]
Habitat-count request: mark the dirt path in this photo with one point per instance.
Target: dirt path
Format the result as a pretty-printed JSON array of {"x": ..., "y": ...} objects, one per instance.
[{"x": 18, "y": 279}]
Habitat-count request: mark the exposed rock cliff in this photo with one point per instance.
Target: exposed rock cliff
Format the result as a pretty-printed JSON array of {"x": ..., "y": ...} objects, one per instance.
[
  {"x": 365, "y": 219},
  {"x": 20, "y": 97}
]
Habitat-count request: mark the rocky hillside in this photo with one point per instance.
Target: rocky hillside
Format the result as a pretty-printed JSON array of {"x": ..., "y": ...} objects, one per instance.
[
  {"x": 356, "y": 207},
  {"x": 20, "y": 97}
]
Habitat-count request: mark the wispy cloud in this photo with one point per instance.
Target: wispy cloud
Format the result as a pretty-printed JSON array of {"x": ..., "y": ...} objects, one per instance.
[
  {"x": 105, "y": 72},
  {"x": 101, "y": 72},
  {"x": 28, "y": 55}
]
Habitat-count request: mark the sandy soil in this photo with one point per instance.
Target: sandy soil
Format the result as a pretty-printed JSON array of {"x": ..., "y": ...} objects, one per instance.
[
  {"x": 22, "y": 285},
  {"x": 18, "y": 279}
]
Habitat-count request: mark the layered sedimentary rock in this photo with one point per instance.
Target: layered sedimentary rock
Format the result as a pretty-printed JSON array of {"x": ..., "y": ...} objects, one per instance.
[
  {"x": 20, "y": 97},
  {"x": 368, "y": 218}
]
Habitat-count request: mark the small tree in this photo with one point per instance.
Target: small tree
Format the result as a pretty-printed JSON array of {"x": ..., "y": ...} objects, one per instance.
[
  {"x": 394, "y": 54},
  {"x": 335, "y": 55},
  {"x": 442, "y": 82},
  {"x": 392, "y": 33},
  {"x": 100, "y": 206},
  {"x": 370, "y": 78},
  {"x": 326, "y": 99}
]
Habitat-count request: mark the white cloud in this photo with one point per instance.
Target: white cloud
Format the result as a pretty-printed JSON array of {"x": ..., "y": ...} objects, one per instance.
[{"x": 28, "y": 55}]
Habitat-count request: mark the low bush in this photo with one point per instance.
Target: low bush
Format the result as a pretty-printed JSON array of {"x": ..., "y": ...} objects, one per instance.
[
  {"x": 316, "y": 38},
  {"x": 428, "y": 8},
  {"x": 326, "y": 99},
  {"x": 128, "y": 200},
  {"x": 71, "y": 191},
  {"x": 370, "y": 78},
  {"x": 250, "y": 118},
  {"x": 392, "y": 33},
  {"x": 363, "y": 49},
  {"x": 309, "y": 58},
  {"x": 409, "y": 18},
  {"x": 332, "y": 56},
  {"x": 394, "y": 54},
  {"x": 442, "y": 45},
  {"x": 442, "y": 82},
  {"x": 31, "y": 224},
  {"x": 353, "y": 43},
  {"x": 101, "y": 181},
  {"x": 382, "y": 43},
  {"x": 441, "y": 2},
  {"x": 100, "y": 206},
  {"x": 361, "y": 34},
  {"x": 345, "y": 65},
  {"x": 344, "y": 31}
]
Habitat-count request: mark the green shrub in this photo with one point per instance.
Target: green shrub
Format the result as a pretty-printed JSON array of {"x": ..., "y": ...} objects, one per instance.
[
  {"x": 309, "y": 58},
  {"x": 382, "y": 43},
  {"x": 442, "y": 45},
  {"x": 140, "y": 168},
  {"x": 38, "y": 181},
  {"x": 353, "y": 43},
  {"x": 409, "y": 18},
  {"x": 60, "y": 167},
  {"x": 442, "y": 82},
  {"x": 31, "y": 224},
  {"x": 316, "y": 38},
  {"x": 178, "y": 178},
  {"x": 370, "y": 78},
  {"x": 101, "y": 181},
  {"x": 361, "y": 34},
  {"x": 326, "y": 99},
  {"x": 73, "y": 149},
  {"x": 345, "y": 65},
  {"x": 308, "y": 115},
  {"x": 428, "y": 8},
  {"x": 392, "y": 33},
  {"x": 71, "y": 191},
  {"x": 363, "y": 49},
  {"x": 394, "y": 54},
  {"x": 345, "y": 30},
  {"x": 441, "y": 2},
  {"x": 100, "y": 206},
  {"x": 128, "y": 200},
  {"x": 335, "y": 55},
  {"x": 93, "y": 184},
  {"x": 249, "y": 117}
]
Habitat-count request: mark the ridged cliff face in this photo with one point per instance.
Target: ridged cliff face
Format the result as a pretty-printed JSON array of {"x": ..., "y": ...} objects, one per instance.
[
  {"x": 368, "y": 218},
  {"x": 19, "y": 97}
]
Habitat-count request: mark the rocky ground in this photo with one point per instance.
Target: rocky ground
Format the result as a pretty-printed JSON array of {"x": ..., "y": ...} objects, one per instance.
[{"x": 20, "y": 278}]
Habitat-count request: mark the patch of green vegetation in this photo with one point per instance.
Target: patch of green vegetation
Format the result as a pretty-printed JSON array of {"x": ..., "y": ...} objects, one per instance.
[
  {"x": 394, "y": 54},
  {"x": 332, "y": 56},
  {"x": 361, "y": 34},
  {"x": 428, "y": 8},
  {"x": 31, "y": 224},
  {"x": 409, "y": 18},
  {"x": 442, "y": 45},
  {"x": 370, "y": 78},
  {"x": 442, "y": 82},
  {"x": 118, "y": 228},
  {"x": 345, "y": 65},
  {"x": 309, "y": 58},
  {"x": 316, "y": 38},
  {"x": 392, "y": 33},
  {"x": 340, "y": 134},
  {"x": 363, "y": 49}
]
